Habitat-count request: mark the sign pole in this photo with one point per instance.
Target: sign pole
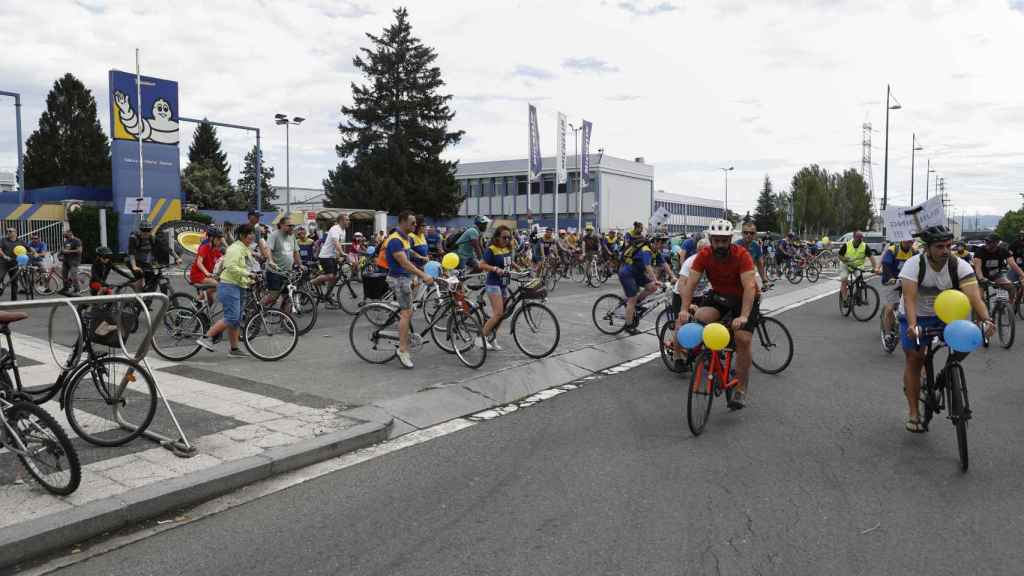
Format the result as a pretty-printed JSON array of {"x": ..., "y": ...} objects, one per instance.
[{"x": 138, "y": 103}]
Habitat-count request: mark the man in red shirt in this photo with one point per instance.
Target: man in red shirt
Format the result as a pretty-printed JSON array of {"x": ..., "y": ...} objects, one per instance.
[
  {"x": 730, "y": 271},
  {"x": 201, "y": 273}
]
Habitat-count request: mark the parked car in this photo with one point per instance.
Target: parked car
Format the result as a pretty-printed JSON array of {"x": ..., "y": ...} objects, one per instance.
[{"x": 873, "y": 239}]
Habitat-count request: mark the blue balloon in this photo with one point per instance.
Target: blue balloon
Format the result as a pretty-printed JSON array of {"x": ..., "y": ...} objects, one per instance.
[
  {"x": 962, "y": 336},
  {"x": 690, "y": 335},
  {"x": 22, "y": 260},
  {"x": 371, "y": 250},
  {"x": 433, "y": 269}
]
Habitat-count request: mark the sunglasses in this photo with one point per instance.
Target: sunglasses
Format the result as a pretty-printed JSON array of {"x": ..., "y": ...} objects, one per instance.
[
  {"x": 749, "y": 233},
  {"x": 504, "y": 237}
]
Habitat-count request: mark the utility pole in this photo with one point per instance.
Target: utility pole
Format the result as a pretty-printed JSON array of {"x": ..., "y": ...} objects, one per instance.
[
  {"x": 885, "y": 177},
  {"x": 20, "y": 176}
]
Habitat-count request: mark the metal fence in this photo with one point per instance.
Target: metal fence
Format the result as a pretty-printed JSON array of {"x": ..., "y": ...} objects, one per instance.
[{"x": 50, "y": 231}]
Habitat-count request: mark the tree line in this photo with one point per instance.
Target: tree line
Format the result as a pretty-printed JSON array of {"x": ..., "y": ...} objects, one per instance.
[{"x": 818, "y": 202}]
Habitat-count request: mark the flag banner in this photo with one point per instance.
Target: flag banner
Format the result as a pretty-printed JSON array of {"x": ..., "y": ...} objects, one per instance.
[
  {"x": 535, "y": 161},
  {"x": 901, "y": 223},
  {"x": 560, "y": 169},
  {"x": 587, "y": 127},
  {"x": 659, "y": 218}
]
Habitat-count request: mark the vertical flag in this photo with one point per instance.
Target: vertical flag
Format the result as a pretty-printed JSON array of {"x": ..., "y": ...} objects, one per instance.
[
  {"x": 535, "y": 162},
  {"x": 560, "y": 169},
  {"x": 585, "y": 178}
]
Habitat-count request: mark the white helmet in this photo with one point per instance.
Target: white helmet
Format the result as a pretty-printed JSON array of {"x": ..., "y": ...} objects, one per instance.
[{"x": 720, "y": 228}]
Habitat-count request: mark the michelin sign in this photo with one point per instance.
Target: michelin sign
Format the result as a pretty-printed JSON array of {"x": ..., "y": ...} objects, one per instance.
[{"x": 155, "y": 122}]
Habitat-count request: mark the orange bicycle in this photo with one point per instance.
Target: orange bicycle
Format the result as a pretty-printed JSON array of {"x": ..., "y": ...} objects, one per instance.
[{"x": 712, "y": 375}]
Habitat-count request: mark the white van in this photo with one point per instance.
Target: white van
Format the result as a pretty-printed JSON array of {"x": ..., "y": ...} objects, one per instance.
[{"x": 872, "y": 238}]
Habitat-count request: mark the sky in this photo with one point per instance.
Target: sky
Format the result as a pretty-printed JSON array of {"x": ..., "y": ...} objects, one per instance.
[{"x": 765, "y": 86}]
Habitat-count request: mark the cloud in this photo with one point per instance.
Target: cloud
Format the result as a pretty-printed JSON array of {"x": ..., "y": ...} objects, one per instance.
[
  {"x": 345, "y": 10},
  {"x": 622, "y": 98},
  {"x": 749, "y": 119},
  {"x": 589, "y": 64},
  {"x": 525, "y": 71},
  {"x": 499, "y": 98},
  {"x": 636, "y": 10},
  {"x": 1017, "y": 5}
]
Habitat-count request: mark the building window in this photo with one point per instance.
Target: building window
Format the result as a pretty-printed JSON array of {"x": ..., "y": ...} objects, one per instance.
[{"x": 488, "y": 187}]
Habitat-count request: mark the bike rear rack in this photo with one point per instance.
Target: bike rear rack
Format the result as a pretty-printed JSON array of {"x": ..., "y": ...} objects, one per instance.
[{"x": 181, "y": 446}]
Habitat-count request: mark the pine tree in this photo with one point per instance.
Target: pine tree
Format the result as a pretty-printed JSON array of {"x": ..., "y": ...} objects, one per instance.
[
  {"x": 246, "y": 188},
  {"x": 206, "y": 181},
  {"x": 69, "y": 147},
  {"x": 206, "y": 148},
  {"x": 766, "y": 216},
  {"x": 396, "y": 130}
]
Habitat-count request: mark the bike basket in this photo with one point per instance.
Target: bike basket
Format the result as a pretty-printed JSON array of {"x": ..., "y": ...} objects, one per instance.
[
  {"x": 534, "y": 290},
  {"x": 375, "y": 286}
]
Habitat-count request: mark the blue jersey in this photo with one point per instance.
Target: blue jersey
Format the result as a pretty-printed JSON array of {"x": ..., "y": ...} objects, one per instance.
[{"x": 753, "y": 247}]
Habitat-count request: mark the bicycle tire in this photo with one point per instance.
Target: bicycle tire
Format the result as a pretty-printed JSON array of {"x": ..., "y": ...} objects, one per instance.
[
  {"x": 765, "y": 339},
  {"x": 700, "y": 395},
  {"x": 794, "y": 275},
  {"x": 175, "y": 338},
  {"x": 53, "y": 439},
  {"x": 304, "y": 311},
  {"x": 664, "y": 317},
  {"x": 606, "y": 315},
  {"x": 865, "y": 298},
  {"x": 270, "y": 325},
  {"x": 183, "y": 300},
  {"x": 535, "y": 316},
  {"x": 666, "y": 346},
  {"x": 845, "y": 308},
  {"x": 376, "y": 325},
  {"x": 135, "y": 388},
  {"x": 813, "y": 272},
  {"x": 464, "y": 330},
  {"x": 1006, "y": 326},
  {"x": 959, "y": 410},
  {"x": 439, "y": 328},
  {"x": 349, "y": 296}
]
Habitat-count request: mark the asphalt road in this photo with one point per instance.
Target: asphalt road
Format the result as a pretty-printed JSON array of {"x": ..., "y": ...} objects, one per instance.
[{"x": 816, "y": 476}]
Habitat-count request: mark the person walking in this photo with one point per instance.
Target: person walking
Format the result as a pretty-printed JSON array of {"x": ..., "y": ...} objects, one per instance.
[
  {"x": 235, "y": 278},
  {"x": 71, "y": 255}
]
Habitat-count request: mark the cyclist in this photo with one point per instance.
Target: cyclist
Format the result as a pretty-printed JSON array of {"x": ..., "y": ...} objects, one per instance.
[
  {"x": 786, "y": 249},
  {"x": 420, "y": 248},
  {"x": 892, "y": 262},
  {"x": 330, "y": 252},
  {"x": 400, "y": 271},
  {"x": 591, "y": 245},
  {"x": 434, "y": 242},
  {"x": 923, "y": 277},
  {"x": 235, "y": 277},
  {"x": 142, "y": 255},
  {"x": 749, "y": 241},
  {"x": 548, "y": 245},
  {"x": 101, "y": 268},
  {"x": 201, "y": 274},
  {"x": 730, "y": 270},
  {"x": 990, "y": 263},
  {"x": 698, "y": 293},
  {"x": 851, "y": 257},
  {"x": 306, "y": 254},
  {"x": 284, "y": 256},
  {"x": 638, "y": 269},
  {"x": 497, "y": 262},
  {"x": 71, "y": 257},
  {"x": 469, "y": 247}
]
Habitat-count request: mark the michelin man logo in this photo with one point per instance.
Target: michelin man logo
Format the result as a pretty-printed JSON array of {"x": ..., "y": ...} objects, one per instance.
[{"x": 159, "y": 128}]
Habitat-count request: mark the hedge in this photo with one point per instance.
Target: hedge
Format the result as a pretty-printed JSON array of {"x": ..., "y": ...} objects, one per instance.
[{"x": 85, "y": 223}]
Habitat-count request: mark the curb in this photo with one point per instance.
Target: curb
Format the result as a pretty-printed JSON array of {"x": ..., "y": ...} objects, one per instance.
[{"x": 59, "y": 530}]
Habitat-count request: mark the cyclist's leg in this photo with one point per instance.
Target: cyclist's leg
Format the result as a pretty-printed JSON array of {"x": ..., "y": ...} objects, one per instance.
[
  {"x": 649, "y": 288},
  {"x": 892, "y": 300},
  {"x": 496, "y": 295},
  {"x": 630, "y": 289},
  {"x": 912, "y": 370},
  {"x": 744, "y": 337},
  {"x": 402, "y": 288},
  {"x": 844, "y": 280},
  {"x": 275, "y": 284}
]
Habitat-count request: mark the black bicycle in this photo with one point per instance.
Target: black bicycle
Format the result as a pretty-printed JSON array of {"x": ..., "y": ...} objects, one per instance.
[
  {"x": 862, "y": 299},
  {"x": 534, "y": 326},
  {"x": 946, "y": 390},
  {"x": 997, "y": 299}
]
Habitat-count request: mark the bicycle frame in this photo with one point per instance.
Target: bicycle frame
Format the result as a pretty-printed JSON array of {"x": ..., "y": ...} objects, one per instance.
[{"x": 720, "y": 365}]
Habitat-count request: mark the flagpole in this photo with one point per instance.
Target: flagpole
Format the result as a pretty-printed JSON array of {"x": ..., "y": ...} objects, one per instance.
[
  {"x": 529, "y": 176},
  {"x": 138, "y": 110},
  {"x": 579, "y": 192}
]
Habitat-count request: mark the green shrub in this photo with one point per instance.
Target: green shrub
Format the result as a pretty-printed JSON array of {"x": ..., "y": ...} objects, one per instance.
[
  {"x": 198, "y": 217},
  {"x": 85, "y": 223}
]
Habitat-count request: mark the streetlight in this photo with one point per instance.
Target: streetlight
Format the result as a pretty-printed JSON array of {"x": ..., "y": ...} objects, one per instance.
[
  {"x": 20, "y": 176},
  {"x": 885, "y": 178},
  {"x": 914, "y": 148},
  {"x": 283, "y": 119},
  {"x": 726, "y": 172},
  {"x": 928, "y": 179}
]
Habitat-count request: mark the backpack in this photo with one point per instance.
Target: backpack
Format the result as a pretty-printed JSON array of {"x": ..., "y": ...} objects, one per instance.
[
  {"x": 633, "y": 249},
  {"x": 951, "y": 264},
  {"x": 452, "y": 241}
]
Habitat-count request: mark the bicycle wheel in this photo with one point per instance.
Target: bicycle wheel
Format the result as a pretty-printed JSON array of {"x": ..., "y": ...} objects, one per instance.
[
  {"x": 700, "y": 394},
  {"x": 175, "y": 337},
  {"x": 577, "y": 272},
  {"x": 535, "y": 329},
  {"x": 664, "y": 317},
  {"x": 845, "y": 307},
  {"x": 303, "y": 309},
  {"x": 609, "y": 314},
  {"x": 865, "y": 302},
  {"x": 270, "y": 335},
  {"x": 959, "y": 409},
  {"x": 667, "y": 345},
  {"x": 48, "y": 454},
  {"x": 373, "y": 333},
  {"x": 1006, "y": 325},
  {"x": 772, "y": 347},
  {"x": 183, "y": 300},
  {"x": 551, "y": 279},
  {"x": 111, "y": 401},
  {"x": 465, "y": 329},
  {"x": 349, "y": 296},
  {"x": 794, "y": 275},
  {"x": 813, "y": 272}
]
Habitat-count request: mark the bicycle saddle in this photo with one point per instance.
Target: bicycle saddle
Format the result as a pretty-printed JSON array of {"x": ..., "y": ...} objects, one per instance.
[{"x": 11, "y": 317}]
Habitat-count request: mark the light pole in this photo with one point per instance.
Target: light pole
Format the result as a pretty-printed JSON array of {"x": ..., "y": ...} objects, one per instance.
[
  {"x": 914, "y": 148},
  {"x": 726, "y": 172},
  {"x": 928, "y": 180},
  {"x": 283, "y": 119},
  {"x": 20, "y": 176},
  {"x": 885, "y": 179}
]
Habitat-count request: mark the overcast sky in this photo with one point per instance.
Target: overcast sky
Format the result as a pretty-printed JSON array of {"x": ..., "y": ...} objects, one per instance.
[{"x": 691, "y": 86}]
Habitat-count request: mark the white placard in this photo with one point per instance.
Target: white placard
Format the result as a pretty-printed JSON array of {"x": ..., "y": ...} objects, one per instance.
[
  {"x": 137, "y": 205},
  {"x": 901, "y": 223},
  {"x": 659, "y": 218}
]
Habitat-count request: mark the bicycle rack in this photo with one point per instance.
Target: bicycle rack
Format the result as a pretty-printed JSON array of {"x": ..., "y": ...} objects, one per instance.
[{"x": 181, "y": 446}]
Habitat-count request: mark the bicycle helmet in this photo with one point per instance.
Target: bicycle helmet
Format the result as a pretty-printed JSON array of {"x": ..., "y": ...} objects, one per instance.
[
  {"x": 214, "y": 232},
  {"x": 933, "y": 234},
  {"x": 104, "y": 252},
  {"x": 482, "y": 220},
  {"x": 720, "y": 228},
  {"x": 993, "y": 237},
  {"x": 145, "y": 225}
]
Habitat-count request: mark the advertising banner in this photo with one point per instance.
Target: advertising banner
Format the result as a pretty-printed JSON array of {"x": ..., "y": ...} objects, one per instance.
[
  {"x": 560, "y": 168},
  {"x": 587, "y": 128},
  {"x": 535, "y": 161}
]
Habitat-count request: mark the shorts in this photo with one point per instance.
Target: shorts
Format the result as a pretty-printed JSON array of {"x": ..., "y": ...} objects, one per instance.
[
  {"x": 891, "y": 294},
  {"x": 922, "y": 322},
  {"x": 844, "y": 272},
  {"x": 731, "y": 306},
  {"x": 402, "y": 287},
  {"x": 492, "y": 289},
  {"x": 275, "y": 281},
  {"x": 631, "y": 284},
  {"x": 230, "y": 296},
  {"x": 329, "y": 265},
  {"x": 469, "y": 263}
]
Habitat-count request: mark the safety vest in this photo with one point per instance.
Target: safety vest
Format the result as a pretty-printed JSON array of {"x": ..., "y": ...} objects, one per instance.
[
  {"x": 855, "y": 256},
  {"x": 897, "y": 250}
]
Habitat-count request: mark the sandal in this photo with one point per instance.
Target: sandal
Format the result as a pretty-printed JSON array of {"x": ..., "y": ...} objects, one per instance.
[{"x": 915, "y": 426}]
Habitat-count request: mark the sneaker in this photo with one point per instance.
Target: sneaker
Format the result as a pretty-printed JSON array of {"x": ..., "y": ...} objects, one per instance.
[
  {"x": 206, "y": 342},
  {"x": 238, "y": 353},
  {"x": 738, "y": 400},
  {"x": 632, "y": 329},
  {"x": 493, "y": 345},
  {"x": 405, "y": 359}
]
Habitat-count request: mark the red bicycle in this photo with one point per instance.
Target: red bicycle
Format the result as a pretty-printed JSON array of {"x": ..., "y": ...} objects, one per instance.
[{"x": 712, "y": 375}]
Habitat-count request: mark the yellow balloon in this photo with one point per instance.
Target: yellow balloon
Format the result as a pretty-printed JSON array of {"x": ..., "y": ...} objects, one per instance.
[
  {"x": 716, "y": 336},
  {"x": 952, "y": 305},
  {"x": 19, "y": 250},
  {"x": 450, "y": 261},
  {"x": 825, "y": 240}
]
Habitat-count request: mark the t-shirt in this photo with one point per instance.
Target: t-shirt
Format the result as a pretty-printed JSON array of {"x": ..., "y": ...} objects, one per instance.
[
  {"x": 433, "y": 240},
  {"x": 39, "y": 247},
  {"x": 209, "y": 256},
  {"x": 419, "y": 245},
  {"x": 282, "y": 249},
  {"x": 934, "y": 282},
  {"x": 335, "y": 233},
  {"x": 72, "y": 243},
  {"x": 305, "y": 249},
  {"x": 753, "y": 247},
  {"x": 464, "y": 247},
  {"x": 724, "y": 273},
  {"x": 396, "y": 242},
  {"x": 500, "y": 257},
  {"x": 8, "y": 246},
  {"x": 684, "y": 272},
  {"x": 637, "y": 263},
  {"x": 142, "y": 248},
  {"x": 893, "y": 260},
  {"x": 590, "y": 243},
  {"x": 992, "y": 261},
  {"x": 690, "y": 247}
]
